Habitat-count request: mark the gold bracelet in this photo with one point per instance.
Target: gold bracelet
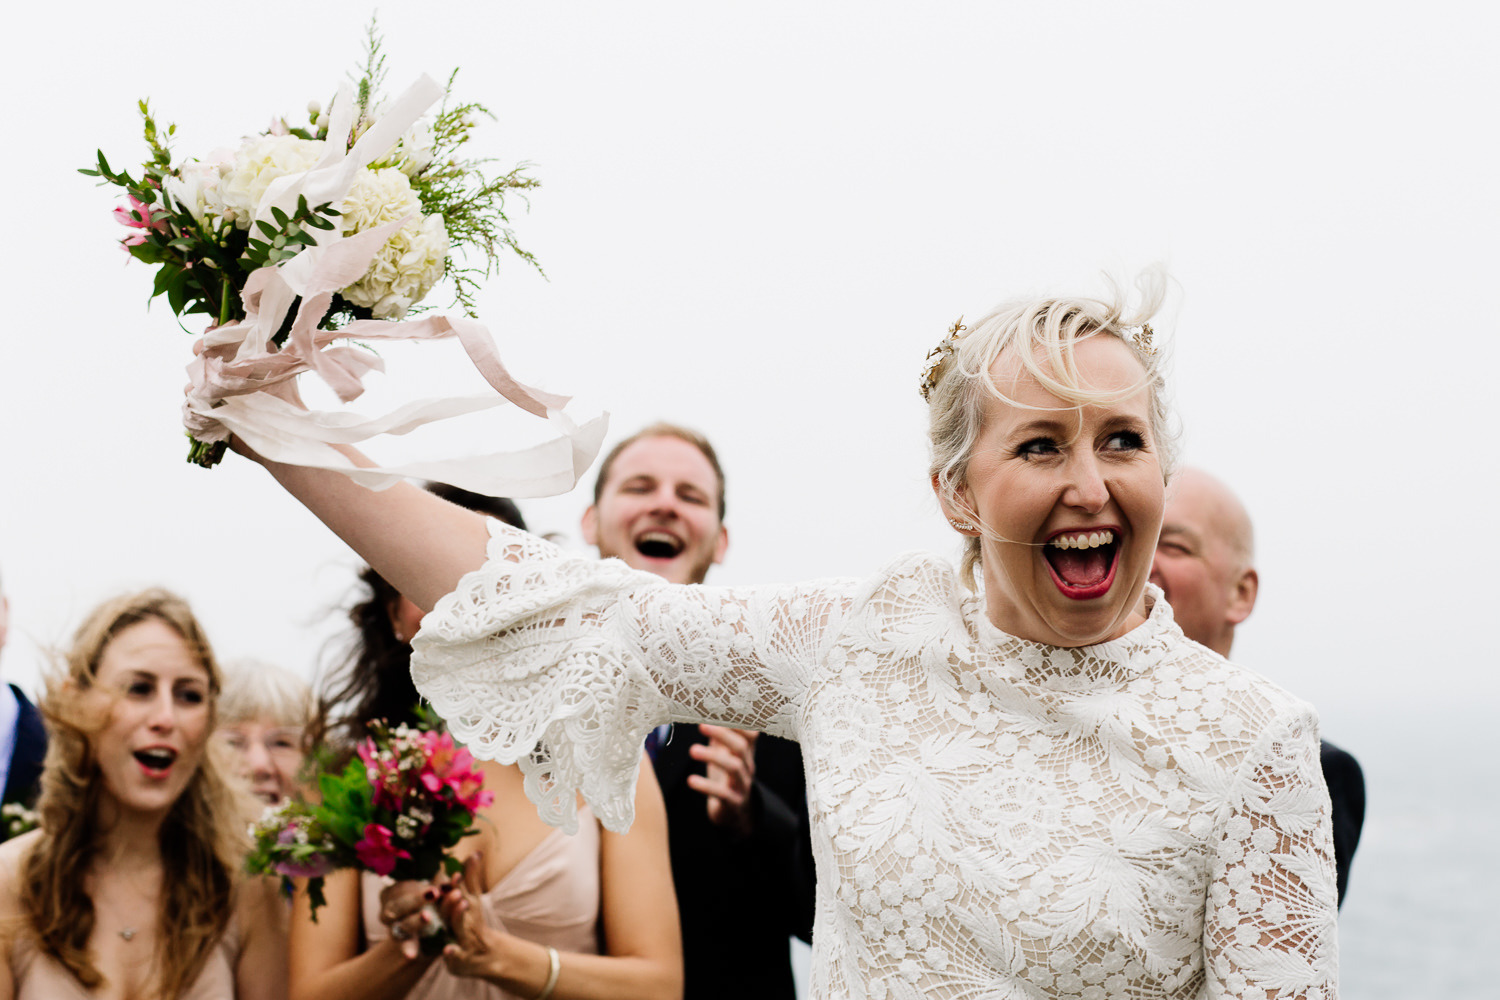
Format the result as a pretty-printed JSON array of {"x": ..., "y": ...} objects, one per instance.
[{"x": 551, "y": 974}]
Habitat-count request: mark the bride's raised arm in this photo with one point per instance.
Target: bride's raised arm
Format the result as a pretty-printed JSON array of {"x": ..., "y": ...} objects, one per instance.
[
  {"x": 564, "y": 663},
  {"x": 419, "y": 542}
]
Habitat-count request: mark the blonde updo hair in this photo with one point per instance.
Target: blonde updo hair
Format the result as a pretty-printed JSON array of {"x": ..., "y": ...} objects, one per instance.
[{"x": 1050, "y": 328}]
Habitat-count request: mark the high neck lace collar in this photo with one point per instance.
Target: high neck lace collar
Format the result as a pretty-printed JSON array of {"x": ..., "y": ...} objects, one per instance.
[{"x": 1082, "y": 666}]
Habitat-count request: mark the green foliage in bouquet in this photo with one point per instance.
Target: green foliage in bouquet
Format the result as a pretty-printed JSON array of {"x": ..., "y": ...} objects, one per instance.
[
  {"x": 201, "y": 261},
  {"x": 203, "y": 225},
  {"x": 470, "y": 200},
  {"x": 402, "y": 802}
]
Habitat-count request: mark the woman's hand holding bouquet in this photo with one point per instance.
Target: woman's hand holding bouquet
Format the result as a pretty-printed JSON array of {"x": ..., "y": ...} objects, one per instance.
[
  {"x": 477, "y": 950},
  {"x": 400, "y": 805},
  {"x": 476, "y": 946}
]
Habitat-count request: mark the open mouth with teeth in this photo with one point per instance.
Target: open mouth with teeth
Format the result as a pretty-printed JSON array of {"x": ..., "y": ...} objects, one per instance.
[
  {"x": 658, "y": 545},
  {"x": 156, "y": 760},
  {"x": 1083, "y": 563}
]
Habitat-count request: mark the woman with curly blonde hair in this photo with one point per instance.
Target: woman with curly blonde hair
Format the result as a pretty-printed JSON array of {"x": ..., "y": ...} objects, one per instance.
[{"x": 131, "y": 887}]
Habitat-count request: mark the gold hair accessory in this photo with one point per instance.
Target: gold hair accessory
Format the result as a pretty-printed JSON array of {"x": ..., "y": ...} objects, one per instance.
[
  {"x": 932, "y": 371},
  {"x": 1142, "y": 337}
]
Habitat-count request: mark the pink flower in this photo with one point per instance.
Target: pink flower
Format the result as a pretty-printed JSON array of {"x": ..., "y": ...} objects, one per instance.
[
  {"x": 376, "y": 852},
  {"x": 312, "y": 866},
  {"x": 441, "y": 755},
  {"x": 385, "y": 778},
  {"x": 452, "y": 767},
  {"x": 470, "y": 794},
  {"x": 367, "y": 752},
  {"x": 137, "y": 216}
]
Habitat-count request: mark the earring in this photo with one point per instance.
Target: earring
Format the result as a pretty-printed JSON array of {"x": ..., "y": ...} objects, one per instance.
[
  {"x": 961, "y": 525},
  {"x": 400, "y": 634}
]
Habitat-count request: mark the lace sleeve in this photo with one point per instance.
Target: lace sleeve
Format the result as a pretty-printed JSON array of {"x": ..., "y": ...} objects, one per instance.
[
  {"x": 563, "y": 664},
  {"x": 1271, "y": 928}
]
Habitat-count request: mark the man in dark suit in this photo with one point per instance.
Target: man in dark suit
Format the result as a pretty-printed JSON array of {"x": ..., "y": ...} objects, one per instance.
[
  {"x": 736, "y": 801},
  {"x": 23, "y": 740},
  {"x": 1205, "y": 564}
]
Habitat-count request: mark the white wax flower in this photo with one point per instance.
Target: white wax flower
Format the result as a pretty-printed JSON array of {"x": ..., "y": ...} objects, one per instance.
[
  {"x": 415, "y": 151},
  {"x": 197, "y": 189},
  {"x": 259, "y": 162}
]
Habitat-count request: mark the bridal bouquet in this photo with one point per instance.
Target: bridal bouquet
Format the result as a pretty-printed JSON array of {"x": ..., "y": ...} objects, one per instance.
[
  {"x": 308, "y": 240},
  {"x": 405, "y": 799}
]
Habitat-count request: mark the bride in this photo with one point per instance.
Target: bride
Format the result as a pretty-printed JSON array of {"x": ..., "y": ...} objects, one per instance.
[{"x": 1033, "y": 788}]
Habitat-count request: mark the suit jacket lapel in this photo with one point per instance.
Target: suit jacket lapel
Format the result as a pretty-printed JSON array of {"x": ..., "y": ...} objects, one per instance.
[{"x": 31, "y": 749}]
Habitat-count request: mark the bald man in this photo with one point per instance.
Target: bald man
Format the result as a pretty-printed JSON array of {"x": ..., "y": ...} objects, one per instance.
[{"x": 1205, "y": 564}]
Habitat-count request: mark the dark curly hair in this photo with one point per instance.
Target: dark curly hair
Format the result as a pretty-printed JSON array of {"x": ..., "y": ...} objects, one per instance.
[{"x": 374, "y": 681}]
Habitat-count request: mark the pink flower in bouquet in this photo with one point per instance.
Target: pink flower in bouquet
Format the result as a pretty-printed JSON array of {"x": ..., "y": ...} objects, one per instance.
[
  {"x": 313, "y": 866},
  {"x": 453, "y": 767},
  {"x": 124, "y": 217},
  {"x": 468, "y": 790},
  {"x": 385, "y": 777},
  {"x": 376, "y": 852},
  {"x": 441, "y": 757}
]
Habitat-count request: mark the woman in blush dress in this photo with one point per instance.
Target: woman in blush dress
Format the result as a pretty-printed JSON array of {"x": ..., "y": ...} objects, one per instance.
[
  {"x": 133, "y": 887},
  {"x": 588, "y": 917},
  {"x": 1033, "y": 787}
]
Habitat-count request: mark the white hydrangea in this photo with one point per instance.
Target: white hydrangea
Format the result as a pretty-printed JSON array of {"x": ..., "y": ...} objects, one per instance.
[
  {"x": 377, "y": 197},
  {"x": 259, "y": 162},
  {"x": 411, "y": 262}
]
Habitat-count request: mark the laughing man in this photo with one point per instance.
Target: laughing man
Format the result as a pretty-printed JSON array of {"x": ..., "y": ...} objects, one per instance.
[{"x": 736, "y": 801}]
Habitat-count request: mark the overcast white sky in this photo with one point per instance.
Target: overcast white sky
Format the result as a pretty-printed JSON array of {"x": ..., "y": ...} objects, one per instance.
[{"x": 757, "y": 217}]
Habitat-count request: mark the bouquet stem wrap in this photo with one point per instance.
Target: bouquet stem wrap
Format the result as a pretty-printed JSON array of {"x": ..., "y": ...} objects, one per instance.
[{"x": 243, "y": 384}]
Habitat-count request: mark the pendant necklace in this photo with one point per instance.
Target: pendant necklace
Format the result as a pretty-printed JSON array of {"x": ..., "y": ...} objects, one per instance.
[{"x": 127, "y": 933}]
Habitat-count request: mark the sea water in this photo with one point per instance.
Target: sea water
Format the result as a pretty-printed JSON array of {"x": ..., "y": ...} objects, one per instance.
[{"x": 1422, "y": 915}]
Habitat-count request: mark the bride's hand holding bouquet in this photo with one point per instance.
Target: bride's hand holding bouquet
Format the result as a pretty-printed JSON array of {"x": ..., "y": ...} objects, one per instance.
[{"x": 307, "y": 243}]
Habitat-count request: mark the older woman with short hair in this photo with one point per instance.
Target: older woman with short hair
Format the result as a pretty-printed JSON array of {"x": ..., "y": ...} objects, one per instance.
[
  {"x": 1033, "y": 788},
  {"x": 262, "y": 714}
]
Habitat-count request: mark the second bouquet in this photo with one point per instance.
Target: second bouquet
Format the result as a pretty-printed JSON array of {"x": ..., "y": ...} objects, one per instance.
[{"x": 397, "y": 809}]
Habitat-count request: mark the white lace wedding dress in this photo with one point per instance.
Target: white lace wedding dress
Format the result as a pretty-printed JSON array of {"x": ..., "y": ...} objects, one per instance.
[{"x": 991, "y": 817}]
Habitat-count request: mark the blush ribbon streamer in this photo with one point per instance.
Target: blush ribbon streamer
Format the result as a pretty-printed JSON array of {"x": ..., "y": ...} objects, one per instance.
[{"x": 243, "y": 384}]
